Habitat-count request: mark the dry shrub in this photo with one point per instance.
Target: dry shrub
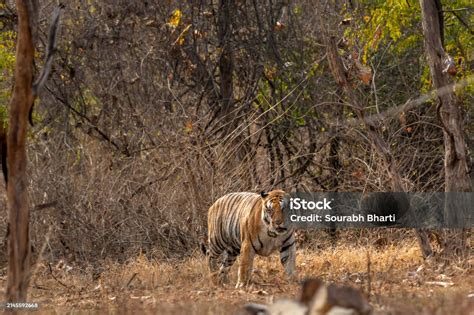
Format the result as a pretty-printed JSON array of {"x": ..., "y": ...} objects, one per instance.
[{"x": 131, "y": 146}]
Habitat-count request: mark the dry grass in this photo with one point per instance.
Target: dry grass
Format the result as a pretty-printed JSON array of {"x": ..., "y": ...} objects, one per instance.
[{"x": 400, "y": 283}]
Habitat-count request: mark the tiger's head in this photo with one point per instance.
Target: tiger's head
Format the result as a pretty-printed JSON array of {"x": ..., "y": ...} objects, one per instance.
[{"x": 274, "y": 205}]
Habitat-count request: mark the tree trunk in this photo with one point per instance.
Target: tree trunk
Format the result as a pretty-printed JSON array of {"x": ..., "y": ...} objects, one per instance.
[
  {"x": 226, "y": 66},
  {"x": 3, "y": 150},
  {"x": 17, "y": 195},
  {"x": 449, "y": 113}
]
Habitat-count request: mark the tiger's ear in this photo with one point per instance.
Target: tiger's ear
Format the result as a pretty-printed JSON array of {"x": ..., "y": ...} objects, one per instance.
[{"x": 263, "y": 194}]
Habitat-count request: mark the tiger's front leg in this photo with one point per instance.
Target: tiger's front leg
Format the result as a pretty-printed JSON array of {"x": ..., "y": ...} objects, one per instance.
[
  {"x": 247, "y": 255},
  {"x": 288, "y": 256}
]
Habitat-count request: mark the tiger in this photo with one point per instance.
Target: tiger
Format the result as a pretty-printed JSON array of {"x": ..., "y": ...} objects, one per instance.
[{"x": 246, "y": 224}]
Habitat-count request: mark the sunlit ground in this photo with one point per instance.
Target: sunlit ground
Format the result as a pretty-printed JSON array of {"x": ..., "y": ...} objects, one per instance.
[{"x": 399, "y": 283}]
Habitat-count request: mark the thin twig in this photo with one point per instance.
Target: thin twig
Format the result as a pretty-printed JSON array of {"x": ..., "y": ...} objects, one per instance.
[
  {"x": 43, "y": 206},
  {"x": 131, "y": 279}
]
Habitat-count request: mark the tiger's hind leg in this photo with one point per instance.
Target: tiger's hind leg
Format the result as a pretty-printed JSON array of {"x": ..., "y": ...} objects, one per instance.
[
  {"x": 213, "y": 262},
  {"x": 228, "y": 260},
  {"x": 220, "y": 262},
  {"x": 214, "y": 256}
]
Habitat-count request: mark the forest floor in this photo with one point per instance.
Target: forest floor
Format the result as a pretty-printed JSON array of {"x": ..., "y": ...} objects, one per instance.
[{"x": 400, "y": 283}]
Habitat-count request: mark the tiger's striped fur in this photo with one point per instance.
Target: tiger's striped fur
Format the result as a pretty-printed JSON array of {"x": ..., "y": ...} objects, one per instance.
[{"x": 247, "y": 224}]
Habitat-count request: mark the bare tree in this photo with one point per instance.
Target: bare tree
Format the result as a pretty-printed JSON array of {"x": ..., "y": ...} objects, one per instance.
[
  {"x": 17, "y": 194},
  {"x": 21, "y": 106},
  {"x": 456, "y": 168}
]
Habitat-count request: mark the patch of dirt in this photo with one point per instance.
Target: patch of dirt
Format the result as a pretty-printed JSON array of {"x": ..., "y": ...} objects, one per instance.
[{"x": 399, "y": 282}]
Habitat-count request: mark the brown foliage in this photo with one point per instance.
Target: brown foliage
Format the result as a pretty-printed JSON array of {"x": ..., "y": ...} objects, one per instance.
[{"x": 132, "y": 146}]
